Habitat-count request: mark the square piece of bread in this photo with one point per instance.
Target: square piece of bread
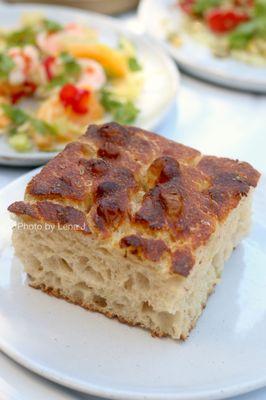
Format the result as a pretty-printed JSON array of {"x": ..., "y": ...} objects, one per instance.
[{"x": 135, "y": 226}]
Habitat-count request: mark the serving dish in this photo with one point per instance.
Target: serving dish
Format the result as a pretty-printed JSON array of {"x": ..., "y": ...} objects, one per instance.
[
  {"x": 101, "y": 357},
  {"x": 87, "y": 200},
  {"x": 163, "y": 19},
  {"x": 159, "y": 75}
]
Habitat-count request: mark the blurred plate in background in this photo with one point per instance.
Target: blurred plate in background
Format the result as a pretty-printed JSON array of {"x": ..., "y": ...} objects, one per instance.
[{"x": 160, "y": 17}]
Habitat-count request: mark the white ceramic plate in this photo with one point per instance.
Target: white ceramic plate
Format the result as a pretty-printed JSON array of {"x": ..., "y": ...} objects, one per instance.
[
  {"x": 159, "y": 17},
  {"x": 29, "y": 386},
  {"x": 161, "y": 78},
  {"x": 225, "y": 355}
]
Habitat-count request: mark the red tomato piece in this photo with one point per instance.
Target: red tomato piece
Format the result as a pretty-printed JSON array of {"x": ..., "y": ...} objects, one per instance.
[
  {"x": 76, "y": 98},
  {"x": 27, "y": 90},
  {"x": 48, "y": 64},
  {"x": 222, "y": 21},
  {"x": 67, "y": 94},
  {"x": 80, "y": 105},
  {"x": 16, "y": 97}
]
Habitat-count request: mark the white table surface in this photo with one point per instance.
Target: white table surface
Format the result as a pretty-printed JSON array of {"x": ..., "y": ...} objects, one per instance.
[{"x": 216, "y": 121}]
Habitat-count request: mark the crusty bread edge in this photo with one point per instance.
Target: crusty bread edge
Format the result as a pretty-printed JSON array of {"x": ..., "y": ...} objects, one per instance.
[{"x": 92, "y": 307}]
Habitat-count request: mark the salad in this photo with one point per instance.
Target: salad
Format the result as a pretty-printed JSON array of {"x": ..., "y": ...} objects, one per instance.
[
  {"x": 55, "y": 80},
  {"x": 230, "y": 27}
]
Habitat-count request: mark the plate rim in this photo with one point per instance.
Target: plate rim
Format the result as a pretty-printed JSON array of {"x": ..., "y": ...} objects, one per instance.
[
  {"x": 202, "y": 71},
  {"x": 115, "y": 394},
  {"x": 38, "y": 158},
  {"x": 96, "y": 390}
]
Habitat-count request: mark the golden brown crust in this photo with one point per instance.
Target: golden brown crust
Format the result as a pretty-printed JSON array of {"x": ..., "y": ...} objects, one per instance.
[
  {"x": 137, "y": 184},
  {"x": 182, "y": 261},
  {"x": 151, "y": 249},
  {"x": 230, "y": 180},
  {"x": 62, "y": 177}
]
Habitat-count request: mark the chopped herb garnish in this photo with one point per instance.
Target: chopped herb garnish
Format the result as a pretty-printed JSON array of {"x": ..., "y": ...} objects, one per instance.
[
  {"x": 122, "y": 112},
  {"x": 108, "y": 101},
  {"x": 16, "y": 115},
  {"x": 134, "y": 64},
  {"x": 126, "y": 113},
  {"x": 240, "y": 37},
  {"x": 59, "y": 80},
  {"x": 6, "y": 65},
  {"x": 21, "y": 37},
  {"x": 51, "y": 26},
  {"x": 71, "y": 66},
  {"x": 19, "y": 117},
  {"x": 201, "y": 6},
  {"x": 43, "y": 127},
  {"x": 260, "y": 8}
]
